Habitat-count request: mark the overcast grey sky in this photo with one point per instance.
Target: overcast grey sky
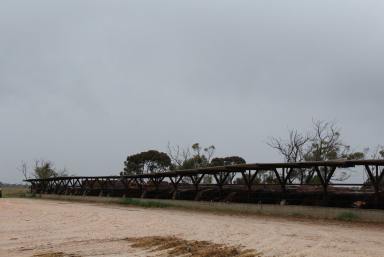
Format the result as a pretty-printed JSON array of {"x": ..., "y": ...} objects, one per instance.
[{"x": 85, "y": 83}]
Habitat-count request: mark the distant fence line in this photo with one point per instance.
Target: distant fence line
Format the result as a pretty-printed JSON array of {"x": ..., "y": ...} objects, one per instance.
[{"x": 283, "y": 175}]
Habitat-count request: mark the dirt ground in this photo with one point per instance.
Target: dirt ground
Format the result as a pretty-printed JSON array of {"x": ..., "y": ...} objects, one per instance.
[{"x": 31, "y": 227}]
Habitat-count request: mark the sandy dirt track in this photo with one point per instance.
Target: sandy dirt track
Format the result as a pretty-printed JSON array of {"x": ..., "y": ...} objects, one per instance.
[{"x": 31, "y": 226}]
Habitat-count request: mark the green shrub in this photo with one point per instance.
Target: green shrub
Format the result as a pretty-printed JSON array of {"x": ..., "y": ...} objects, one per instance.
[
  {"x": 145, "y": 204},
  {"x": 297, "y": 215},
  {"x": 347, "y": 216}
]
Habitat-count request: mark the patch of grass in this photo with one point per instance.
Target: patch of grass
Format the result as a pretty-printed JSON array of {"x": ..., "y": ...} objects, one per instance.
[
  {"x": 14, "y": 191},
  {"x": 297, "y": 215},
  {"x": 347, "y": 216},
  {"x": 175, "y": 246},
  {"x": 31, "y": 195},
  {"x": 145, "y": 204}
]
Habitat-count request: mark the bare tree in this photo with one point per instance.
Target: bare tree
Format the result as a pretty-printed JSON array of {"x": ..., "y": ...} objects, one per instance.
[
  {"x": 63, "y": 172},
  {"x": 293, "y": 149},
  {"x": 42, "y": 169},
  {"x": 178, "y": 155},
  {"x": 326, "y": 143},
  {"x": 322, "y": 143},
  {"x": 23, "y": 168},
  {"x": 378, "y": 153}
]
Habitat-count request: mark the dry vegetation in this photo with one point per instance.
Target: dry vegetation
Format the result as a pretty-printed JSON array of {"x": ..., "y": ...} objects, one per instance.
[
  {"x": 55, "y": 254},
  {"x": 174, "y": 246},
  {"x": 14, "y": 191}
]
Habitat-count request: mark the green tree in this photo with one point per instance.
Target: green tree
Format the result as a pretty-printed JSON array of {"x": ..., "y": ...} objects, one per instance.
[
  {"x": 230, "y": 160},
  {"x": 190, "y": 158},
  {"x": 44, "y": 169},
  {"x": 151, "y": 161}
]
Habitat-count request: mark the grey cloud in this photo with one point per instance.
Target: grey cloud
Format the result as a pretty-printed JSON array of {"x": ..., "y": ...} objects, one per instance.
[{"x": 85, "y": 83}]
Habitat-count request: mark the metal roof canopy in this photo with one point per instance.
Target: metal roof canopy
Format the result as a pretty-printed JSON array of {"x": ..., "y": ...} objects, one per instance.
[{"x": 234, "y": 168}]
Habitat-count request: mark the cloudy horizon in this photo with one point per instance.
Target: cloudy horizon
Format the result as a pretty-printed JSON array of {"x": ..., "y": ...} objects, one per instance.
[{"x": 86, "y": 83}]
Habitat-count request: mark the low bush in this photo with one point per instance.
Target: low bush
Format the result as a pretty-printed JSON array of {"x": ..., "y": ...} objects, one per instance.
[
  {"x": 145, "y": 204},
  {"x": 297, "y": 215},
  {"x": 347, "y": 216}
]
